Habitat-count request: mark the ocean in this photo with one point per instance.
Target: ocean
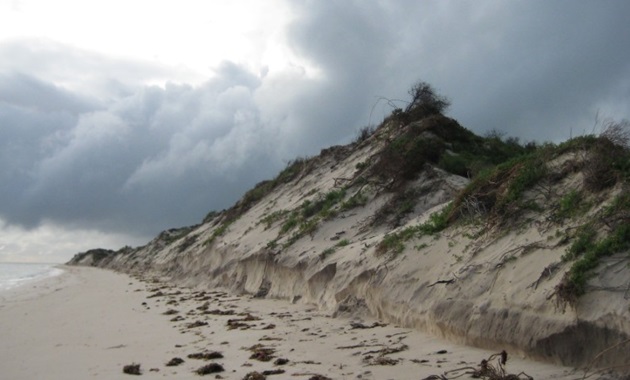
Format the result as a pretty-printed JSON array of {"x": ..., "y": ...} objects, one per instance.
[{"x": 13, "y": 275}]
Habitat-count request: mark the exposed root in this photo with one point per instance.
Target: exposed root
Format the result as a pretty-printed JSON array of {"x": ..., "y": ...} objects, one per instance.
[{"x": 601, "y": 354}]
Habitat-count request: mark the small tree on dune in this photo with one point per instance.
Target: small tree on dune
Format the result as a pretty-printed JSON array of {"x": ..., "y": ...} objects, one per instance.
[{"x": 425, "y": 101}]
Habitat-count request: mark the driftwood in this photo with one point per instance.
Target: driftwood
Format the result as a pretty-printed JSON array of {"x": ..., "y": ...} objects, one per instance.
[{"x": 486, "y": 370}]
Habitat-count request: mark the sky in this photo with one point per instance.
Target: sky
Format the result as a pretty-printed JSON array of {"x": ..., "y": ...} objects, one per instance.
[{"x": 119, "y": 119}]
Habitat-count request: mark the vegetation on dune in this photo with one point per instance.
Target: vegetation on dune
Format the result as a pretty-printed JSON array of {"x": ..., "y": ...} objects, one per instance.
[
  {"x": 394, "y": 243},
  {"x": 507, "y": 179},
  {"x": 502, "y": 171},
  {"x": 606, "y": 163},
  {"x": 498, "y": 192},
  {"x": 329, "y": 251},
  {"x": 294, "y": 169},
  {"x": 307, "y": 216}
]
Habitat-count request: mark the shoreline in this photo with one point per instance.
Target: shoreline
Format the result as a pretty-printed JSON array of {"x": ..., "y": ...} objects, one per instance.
[{"x": 90, "y": 323}]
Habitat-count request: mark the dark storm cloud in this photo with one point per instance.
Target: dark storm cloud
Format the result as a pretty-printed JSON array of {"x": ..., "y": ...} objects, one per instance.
[
  {"x": 532, "y": 69},
  {"x": 22, "y": 90},
  {"x": 156, "y": 158},
  {"x": 85, "y": 142}
]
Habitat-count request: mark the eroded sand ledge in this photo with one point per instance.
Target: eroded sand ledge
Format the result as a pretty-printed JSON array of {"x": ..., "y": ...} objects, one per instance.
[{"x": 91, "y": 322}]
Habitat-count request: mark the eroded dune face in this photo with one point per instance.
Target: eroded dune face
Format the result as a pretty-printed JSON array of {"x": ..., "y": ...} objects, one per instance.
[{"x": 388, "y": 226}]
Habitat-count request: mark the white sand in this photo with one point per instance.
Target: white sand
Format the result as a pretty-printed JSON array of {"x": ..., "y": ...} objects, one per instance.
[{"x": 90, "y": 323}]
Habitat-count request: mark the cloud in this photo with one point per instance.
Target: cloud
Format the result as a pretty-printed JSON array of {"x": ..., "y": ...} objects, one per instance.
[
  {"x": 139, "y": 163},
  {"x": 87, "y": 74},
  {"x": 90, "y": 142},
  {"x": 534, "y": 70},
  {"x": 51, "y": 243}
]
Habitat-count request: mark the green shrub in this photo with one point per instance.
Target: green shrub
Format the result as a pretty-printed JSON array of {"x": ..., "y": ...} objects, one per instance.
[
  {"x": 395, "y": 242},
  {"x": 529, "y": 170},
  {"x": 219, "y": 231},
  {"x": 617, "y": 241},
  {"x": 270, "y": 219},
  {"x": 455, "y": 163},
  {"x": 513, "y": 177},
  {"x": 322, "y": 204},
  {"x": 361, "y": 165},
  {"x": 438, "y": 221},
  {"x": 357, "y": 200},
  {"x": 327, "y": 252},
  {"x": 291, "y": 222},
  {"x": 584, "y": 241},
  {"x": 570, "y": 205},
  {"x": 343, "y": 243}
]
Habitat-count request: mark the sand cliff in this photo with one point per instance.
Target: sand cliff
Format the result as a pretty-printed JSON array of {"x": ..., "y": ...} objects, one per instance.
[{"x": 361, "y": 229}]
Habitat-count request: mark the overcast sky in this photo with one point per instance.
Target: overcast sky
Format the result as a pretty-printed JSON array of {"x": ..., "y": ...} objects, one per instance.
[{"x": 119, "y": 119}]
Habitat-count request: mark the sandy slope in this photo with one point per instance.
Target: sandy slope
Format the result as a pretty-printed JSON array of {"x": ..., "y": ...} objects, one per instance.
[
  {"x": 479, "y": 282},
  {"x": 91, "y": 322}
]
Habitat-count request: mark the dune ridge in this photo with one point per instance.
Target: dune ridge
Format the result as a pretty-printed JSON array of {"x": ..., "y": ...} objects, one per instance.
[{"x": 388, "y": 226}]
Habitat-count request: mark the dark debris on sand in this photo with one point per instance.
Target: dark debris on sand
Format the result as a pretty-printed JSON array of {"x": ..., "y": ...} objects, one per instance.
[
  {"x": 319, "y": 377},
  {"x": 488, "y": 369},
  {"x": 254, "y": 376},
  {"x": 357, "y": 325},
  {"x": 261, "y": 353},
  {"x": 196, "y": 324},
  {"x": 210, "y": 368},
  {"x": 132, "y": 369},
  {"x": 206, "y": 355},
  {"x": 273, "y": 372},
  {"x": 174, "y": 362}
]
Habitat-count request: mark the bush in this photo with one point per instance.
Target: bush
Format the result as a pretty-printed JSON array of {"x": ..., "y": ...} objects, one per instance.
[
  {"x": 364, "y": 134},
  {"x": 395, "y": 243},
  {"x": 608, "y": 160},
  {"x": 500, "y": 190},
  {"x": 573, "y": 284},
  {"x": 571, "y": 204},
  {"x": 357, "y": 200},
  {"x": 425, "y": 101}
]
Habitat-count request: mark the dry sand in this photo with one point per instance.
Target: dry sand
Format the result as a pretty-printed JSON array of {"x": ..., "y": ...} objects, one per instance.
[{"x": 90, "y": 323}]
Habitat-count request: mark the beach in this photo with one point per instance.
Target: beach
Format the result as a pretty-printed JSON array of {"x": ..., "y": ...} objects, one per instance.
[{"x": 91, "y": 323}]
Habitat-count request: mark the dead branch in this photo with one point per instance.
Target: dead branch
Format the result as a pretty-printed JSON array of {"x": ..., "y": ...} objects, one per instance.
[{"x": 487, "y": 370}]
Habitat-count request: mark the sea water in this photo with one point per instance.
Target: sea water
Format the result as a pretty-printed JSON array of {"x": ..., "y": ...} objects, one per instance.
[{"x": 13, "y": 275}]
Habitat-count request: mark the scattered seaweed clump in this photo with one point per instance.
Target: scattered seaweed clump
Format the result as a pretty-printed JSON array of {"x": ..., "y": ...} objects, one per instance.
[
  {"x": 261, "y": 353},
  {"x": 319, "y": 377},
  {"x": 254, "y": 376},
  {"x": 196, "y": 324},
  {"x": 206, "y": 355},
  {"x": 210, "y": 368},
  {"x": 132, "y": 369},
  {"x": 174, "y": 362},
  {"x": 281, "y": 361},
  {"x": 273, "y": 372}
]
